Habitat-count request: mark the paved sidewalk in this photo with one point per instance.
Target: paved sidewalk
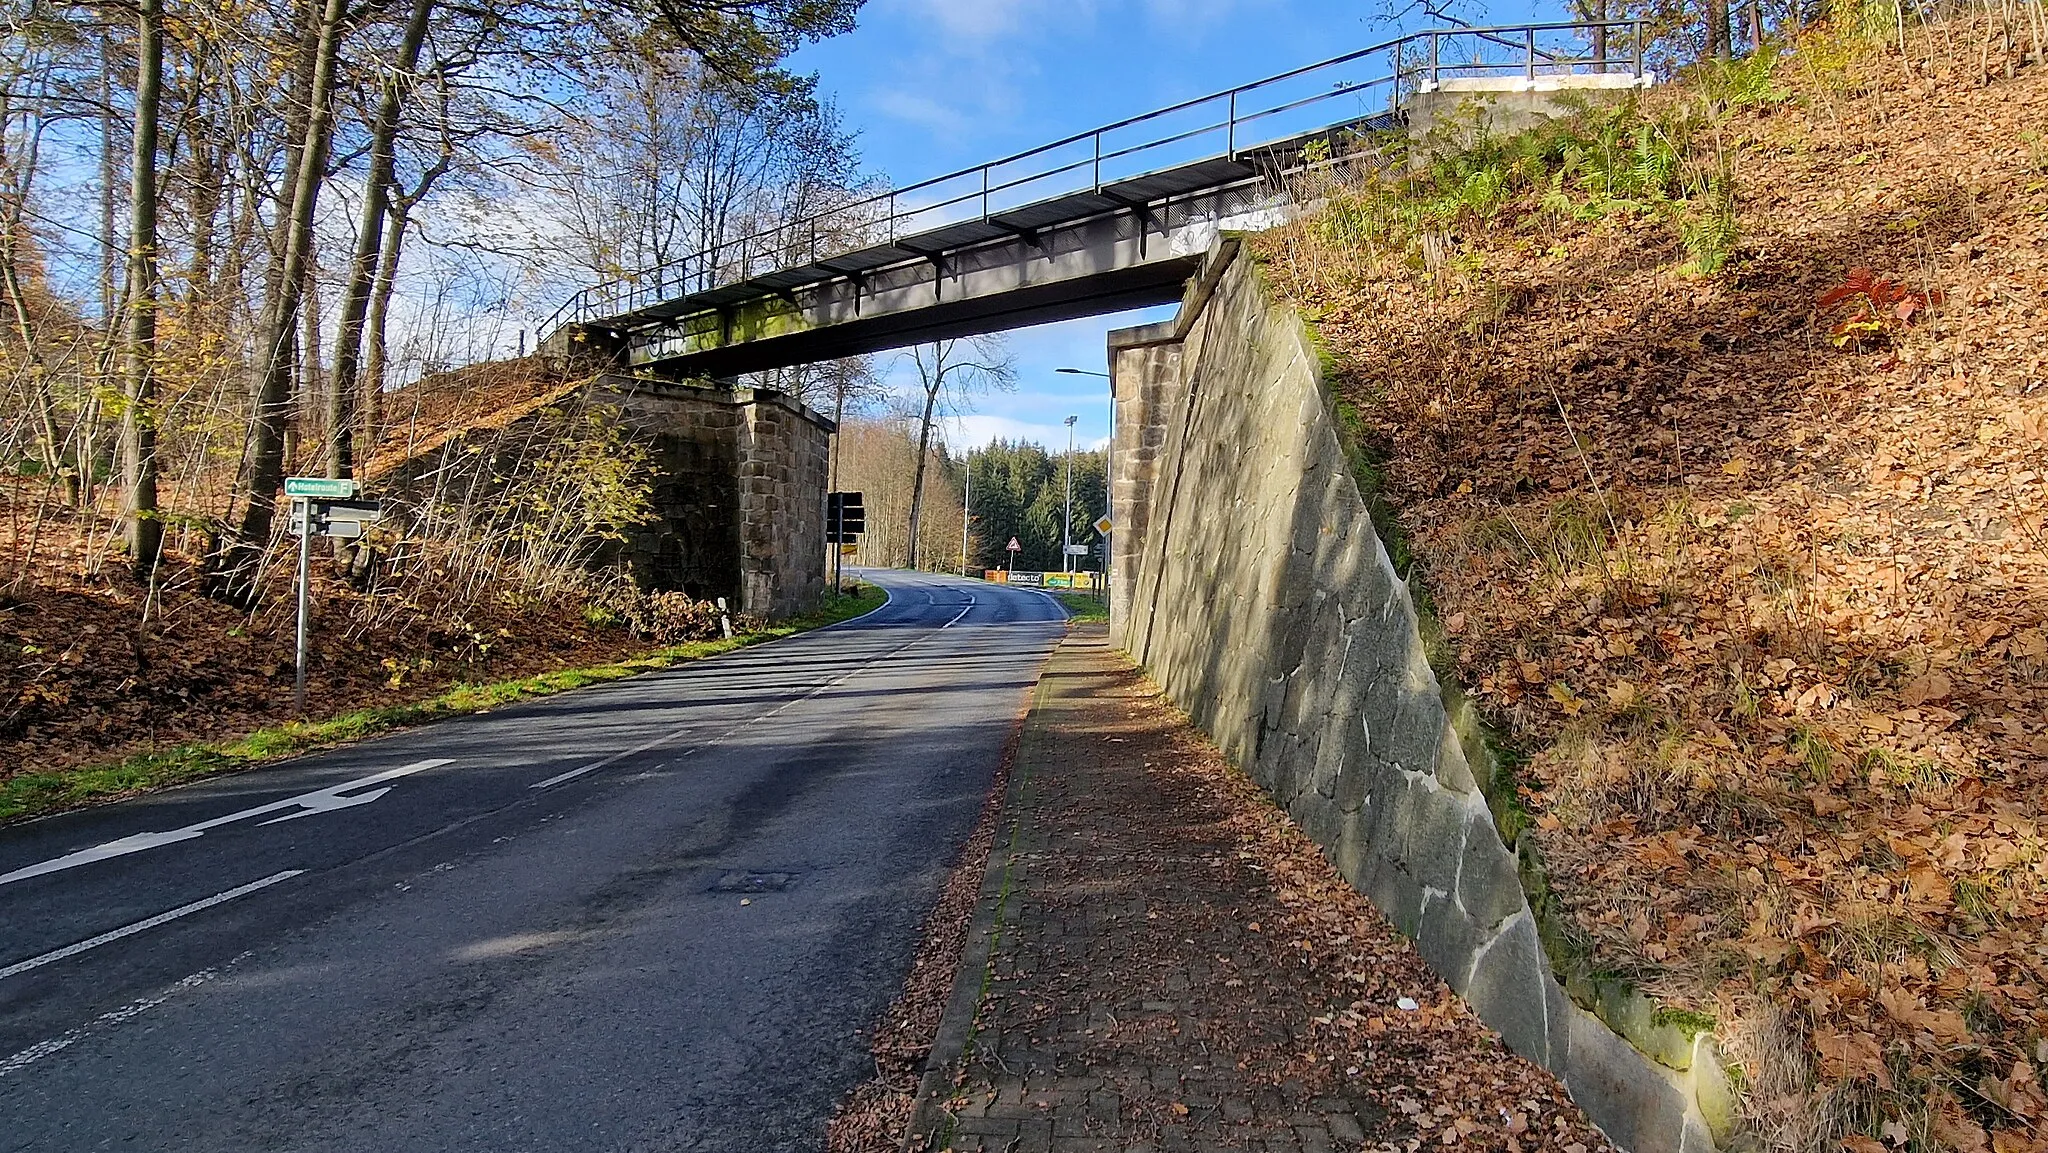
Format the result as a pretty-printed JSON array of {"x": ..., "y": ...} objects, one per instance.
[{"x": 1177, "y": 969}]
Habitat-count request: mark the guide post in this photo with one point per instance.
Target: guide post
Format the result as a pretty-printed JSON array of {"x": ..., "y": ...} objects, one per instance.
[{"x": 320, "y": 504}]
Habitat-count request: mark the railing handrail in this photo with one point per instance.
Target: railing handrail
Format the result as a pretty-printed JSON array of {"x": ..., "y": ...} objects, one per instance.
[{"x": 1489, "y": 33}]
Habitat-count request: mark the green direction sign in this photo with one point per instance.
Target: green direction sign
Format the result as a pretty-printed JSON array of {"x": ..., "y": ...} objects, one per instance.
[{"x": 319, "y": 487}]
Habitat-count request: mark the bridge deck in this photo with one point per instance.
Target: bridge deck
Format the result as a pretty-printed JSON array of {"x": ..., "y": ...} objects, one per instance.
[{"x": 955, "y": 254}]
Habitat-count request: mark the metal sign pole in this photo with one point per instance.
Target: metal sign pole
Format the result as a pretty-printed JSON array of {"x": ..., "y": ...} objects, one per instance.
[{"x": 302, "y": 511}]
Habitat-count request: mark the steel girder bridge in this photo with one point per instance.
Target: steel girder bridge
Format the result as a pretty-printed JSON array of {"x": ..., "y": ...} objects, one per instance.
[{"x": 1114, "y": 218}]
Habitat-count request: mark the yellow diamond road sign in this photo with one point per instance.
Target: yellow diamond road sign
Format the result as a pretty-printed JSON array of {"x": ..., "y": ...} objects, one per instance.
[{"x": 1103, "y": 526}]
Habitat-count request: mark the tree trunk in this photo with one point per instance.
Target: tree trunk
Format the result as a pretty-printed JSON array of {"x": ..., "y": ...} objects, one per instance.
[
  {"x": 145, "y": 531},
  {"x": 95, "y": 443},
  {"x": 374, "y": 353},
  {"x": 49, "y": 440},
  {"x": 1720, "y": 40},
  {"x": 277, "y": 331},
  {"x": 364, "y": 264},
  {"x": 374, "y": 328},
  {"x": 924, "y": 444}
]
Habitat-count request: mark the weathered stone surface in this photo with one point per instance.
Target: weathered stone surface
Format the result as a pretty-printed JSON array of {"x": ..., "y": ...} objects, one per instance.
[
  {"x": 1639, "y": 1107},
  {"x": 1558, "y": 1009},
  {"x": 1448, "y": 939},
  {"x": 1487, "y": 884},
  {"x": 736, "y": 476},
  {"x": 1711, "y": 1088},
  {"x": 1422, "y": 829},
  {"x": 1510, "y": 988}
]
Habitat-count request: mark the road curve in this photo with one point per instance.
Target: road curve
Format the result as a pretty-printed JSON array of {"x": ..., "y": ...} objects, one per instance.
[{"x": 656, "y": 914}]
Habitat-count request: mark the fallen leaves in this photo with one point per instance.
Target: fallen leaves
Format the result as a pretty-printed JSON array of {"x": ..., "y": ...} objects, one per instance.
[{"x": 1782, "y": 662}]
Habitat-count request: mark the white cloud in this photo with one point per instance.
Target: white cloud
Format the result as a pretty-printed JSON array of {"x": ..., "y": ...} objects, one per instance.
[
  {"x": 915, "y": 108},
  {"x": 972, "y": 20}
]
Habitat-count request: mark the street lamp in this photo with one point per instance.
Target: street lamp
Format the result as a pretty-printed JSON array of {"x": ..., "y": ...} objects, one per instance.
[{"x": 1067, "y": 521}]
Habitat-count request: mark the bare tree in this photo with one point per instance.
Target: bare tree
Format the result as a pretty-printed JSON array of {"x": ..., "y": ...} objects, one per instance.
[
  {"x": 145, "y": 529},
  {"x": 949, "y": 373},
  {"x": 356, "y": 289}
]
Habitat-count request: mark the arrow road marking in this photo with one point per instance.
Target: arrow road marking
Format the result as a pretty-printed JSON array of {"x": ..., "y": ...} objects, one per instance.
[
  {"x": 146, "y": 924},
  {"x": 319, "y": 801}
]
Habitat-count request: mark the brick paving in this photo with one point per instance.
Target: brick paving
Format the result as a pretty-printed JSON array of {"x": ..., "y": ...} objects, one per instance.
[{"x": 1177, "y": 970}]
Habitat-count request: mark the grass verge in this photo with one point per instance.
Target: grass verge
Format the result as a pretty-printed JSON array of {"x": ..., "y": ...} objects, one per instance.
[
  {"x": 38, "y": 794},
  {"x": 1084, "y": 606}
]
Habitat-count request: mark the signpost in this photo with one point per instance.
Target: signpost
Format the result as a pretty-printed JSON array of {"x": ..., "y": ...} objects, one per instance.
[
  {"x": 1103, "y": 525},
  {"x": 1014, "y": 548},
  {"x": 319, "y": 487},
  {"x": 845, "y": 518},
  {"x": 323, "y": 506}
]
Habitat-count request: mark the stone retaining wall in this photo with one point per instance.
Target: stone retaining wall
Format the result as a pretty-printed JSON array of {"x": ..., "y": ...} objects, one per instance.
[{"x": 1250, "y": 583}]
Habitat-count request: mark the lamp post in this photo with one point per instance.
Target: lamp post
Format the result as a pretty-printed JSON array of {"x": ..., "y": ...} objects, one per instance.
[
  {"x": 1108, "y": 453},
  {"x": 1067, "y": 521}
]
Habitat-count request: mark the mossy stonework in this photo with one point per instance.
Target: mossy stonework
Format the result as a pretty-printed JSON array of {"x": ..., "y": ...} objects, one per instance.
[{"x": 1252, "y": 585}]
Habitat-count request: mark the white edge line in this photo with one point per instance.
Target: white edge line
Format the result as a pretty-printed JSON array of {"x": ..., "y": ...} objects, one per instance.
[
  {"x": 145, "y": 925},
  {"x": 887, "y": 598}
]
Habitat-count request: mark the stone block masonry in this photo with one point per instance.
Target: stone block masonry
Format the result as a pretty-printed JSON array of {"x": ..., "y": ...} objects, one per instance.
[
  {"x": 1252, "y": 586},
  {"x": 739, "y": 493}
]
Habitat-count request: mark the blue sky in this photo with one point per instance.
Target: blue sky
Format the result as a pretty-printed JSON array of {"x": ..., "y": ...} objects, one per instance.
[{"x": 936, "y": 85}]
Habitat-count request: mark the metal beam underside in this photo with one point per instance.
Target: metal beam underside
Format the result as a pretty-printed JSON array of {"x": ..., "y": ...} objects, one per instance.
[{"x": 1140, "y": 286}]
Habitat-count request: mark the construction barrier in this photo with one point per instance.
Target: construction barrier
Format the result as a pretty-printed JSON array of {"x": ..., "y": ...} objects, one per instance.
[{"x": 1082, "y": 581}]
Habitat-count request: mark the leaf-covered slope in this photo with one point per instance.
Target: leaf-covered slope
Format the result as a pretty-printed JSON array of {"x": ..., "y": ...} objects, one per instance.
[{"x": 1759, "y": 587}]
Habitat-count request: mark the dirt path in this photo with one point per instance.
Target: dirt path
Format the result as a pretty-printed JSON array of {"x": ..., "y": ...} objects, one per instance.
[{"x": 1178, "y": 969}]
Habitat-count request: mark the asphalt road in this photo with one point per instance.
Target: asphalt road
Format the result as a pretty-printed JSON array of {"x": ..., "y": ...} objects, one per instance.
[{"x": 658, "y": 914}]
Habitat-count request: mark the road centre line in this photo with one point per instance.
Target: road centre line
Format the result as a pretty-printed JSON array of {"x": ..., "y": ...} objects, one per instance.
[
  {"x": 572, "y": 774},
  {"x": 131, "y": 1010},
  {"x": 593, "y": 766},
  {"x": 325, "y": 800},
  {"x": 145, "y": 925}
]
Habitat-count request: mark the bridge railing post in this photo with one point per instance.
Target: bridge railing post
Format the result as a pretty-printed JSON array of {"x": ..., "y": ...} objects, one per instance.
[
  {"x": 1636, "y": 34},
  {"x": 1098, "y": 162},
  {"x": 1529, "y": 47},
  {"x": 984, "y": 192},
  {"x": 1230, "y": 131}
]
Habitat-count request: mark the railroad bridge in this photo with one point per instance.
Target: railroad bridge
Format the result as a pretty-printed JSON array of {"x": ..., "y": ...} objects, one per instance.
[
  {"x": 1111, "y": 219},
  {"x": 1115, "y": 218}
]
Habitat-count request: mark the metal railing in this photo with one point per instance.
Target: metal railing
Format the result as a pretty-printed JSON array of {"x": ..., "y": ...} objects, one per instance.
[{"x": 1229, "y": 124}]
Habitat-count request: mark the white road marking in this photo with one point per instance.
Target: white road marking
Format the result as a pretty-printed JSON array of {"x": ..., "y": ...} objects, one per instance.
[
  {"x": 318, "y": 801},
  {"x": 593, "y": 766},
  {"x": 572, "y": 774},
  {"x": 146, "y": 924},
  {"x": 128, "y": 1012}
]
